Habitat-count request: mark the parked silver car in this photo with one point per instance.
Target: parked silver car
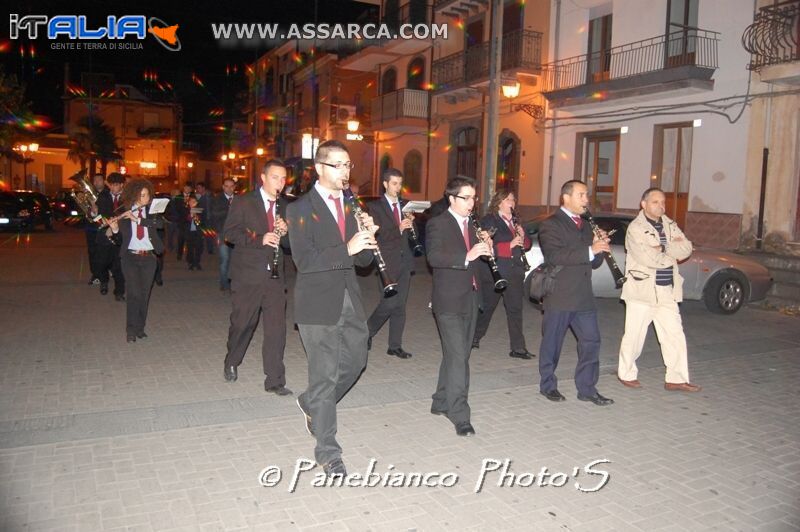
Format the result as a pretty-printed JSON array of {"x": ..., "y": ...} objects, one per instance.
[{"x": 724, "y": 281}]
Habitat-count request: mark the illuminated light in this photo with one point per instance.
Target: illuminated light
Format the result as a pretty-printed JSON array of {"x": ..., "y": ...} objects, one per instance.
[
  {"x": 147, "y": 165},
  {"x": 447, "y": 148},
  {"x": 224, "y": 157},
  {"x": 306, "y": 146},
  {"x": 33, "y": 147},
  {"x": 123, "y": 170},
  {"x": 511, "y": 89},
  {"x": 352, "y": 125},
  {"x": 231, "y": 155},
  {"x": 697, "y": 122},
  {"x": 623, "y": 130},
  {"x": 429, "y": 86},
  {"x": 242, "y": 167},
  {"x": 354, "y": 136},
  {"x": 260, "y": 152},
  {"x": 370, "y": 84},
  {"x": 190, "y": 164}
]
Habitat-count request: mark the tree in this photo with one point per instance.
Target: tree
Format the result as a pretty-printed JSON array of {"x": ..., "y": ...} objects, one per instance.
[
  {"x": 93, "y": 140},
  {"x": 14, "y": 110}
]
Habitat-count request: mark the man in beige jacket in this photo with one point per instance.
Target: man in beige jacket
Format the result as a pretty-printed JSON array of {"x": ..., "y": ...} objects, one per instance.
[{"x": 652, "y": 292}]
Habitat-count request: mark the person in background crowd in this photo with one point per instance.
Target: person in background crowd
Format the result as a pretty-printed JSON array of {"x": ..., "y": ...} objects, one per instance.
[
  {"x": 204, "y": 202},
  {"x": 220, "y": 207}
]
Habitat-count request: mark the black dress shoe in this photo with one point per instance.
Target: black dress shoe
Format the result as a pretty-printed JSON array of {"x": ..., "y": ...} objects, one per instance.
[
  {"x": 278, "y": 390},
  {"x": 598, "y": 399},
  {"x": 525, "y": 355},
  {"x": 437, "y": 412},
  {"x": 104, "y": 288},
  {"x": 554, "y": 395},
  {"x": 476, "y": 344},
  {"x": 369, "y": 343},
  {"x": 141, "y": 335},
  {"x": 335, "y": 468},
  {"x": 465, "y": 429},
  {"x": 399, "y": 353},
  {"x": 131, "y": 338},
  {"x": 119, "y": 297},
  {"x": 231, "y": 373},
  {"x": 159, "y": 282},
  {"x": 307, "y": 416}
]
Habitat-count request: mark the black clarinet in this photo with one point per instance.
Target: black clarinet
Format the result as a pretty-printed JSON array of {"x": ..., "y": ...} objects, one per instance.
[
  {"x": 616, "y": 272},
  {"x": 500, "y": 284},
  {"x": 276, "y": 253},
  {"x": 415, "y": 245},
  {"x": 389, "y": 286},
  {"x": 522, "y": 258}
]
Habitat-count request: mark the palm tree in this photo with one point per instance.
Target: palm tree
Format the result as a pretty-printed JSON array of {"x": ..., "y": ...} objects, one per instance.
[{"x": 93, "y": 140}]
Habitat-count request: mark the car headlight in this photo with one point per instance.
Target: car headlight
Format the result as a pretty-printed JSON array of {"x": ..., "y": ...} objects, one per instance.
[{"x": 73, "y": 213}]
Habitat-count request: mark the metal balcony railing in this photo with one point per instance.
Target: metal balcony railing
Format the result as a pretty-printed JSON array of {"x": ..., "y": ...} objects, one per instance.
[
  {"x": 522, "y": 49},
  {"x": 403, "y": 103},
  {"x": 774, "y": 36},
  {"x": 688, "y": 47}
]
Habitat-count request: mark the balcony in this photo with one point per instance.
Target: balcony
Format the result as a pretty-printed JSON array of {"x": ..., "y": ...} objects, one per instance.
[
  {"x": 683, "y": 61},
  {"x": 401, "y": 110},
  {"x": 773, "y": 39},
  {"x": 460, "y": 8},
  {"x": 522, "y": 52}
]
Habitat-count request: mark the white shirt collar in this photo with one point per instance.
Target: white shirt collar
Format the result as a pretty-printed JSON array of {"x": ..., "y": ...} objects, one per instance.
[
  {"x": 460, "y": 219},
  {"x": 325, "y": 192},
  {"x": 569, "y": 213},
  {"x": 392, "y": 201}
]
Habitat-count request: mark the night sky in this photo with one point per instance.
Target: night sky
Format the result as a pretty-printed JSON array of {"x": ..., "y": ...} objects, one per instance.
[{"x": 205, "y": 76}]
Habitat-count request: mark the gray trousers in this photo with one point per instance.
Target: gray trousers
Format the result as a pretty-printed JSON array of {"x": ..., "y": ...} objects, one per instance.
[
  {"x": 456, "y": 332},
  {"x": 337, "y": 354},
  {"x": 392, "y": 309}
]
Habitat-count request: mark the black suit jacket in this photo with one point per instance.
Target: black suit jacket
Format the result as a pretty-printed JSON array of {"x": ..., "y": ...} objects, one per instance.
[
  {"x": 394, "y": 245},
  {"x": 105, "y": 208},
  {"x": 123, "y": 237},
  {"x": 219, "y": 212},
  {"x": 245, "y": 228},
  {"x": 505, "y": 265},
  {"x": 324, "y": 269},
  {"x": 563, "y": 244},
  {"x": 446, "y": 251}
]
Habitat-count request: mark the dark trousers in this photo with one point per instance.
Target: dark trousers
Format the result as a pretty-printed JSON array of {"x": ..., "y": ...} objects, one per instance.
[
  {"x": 181, "y": 242},
  {"x": 139, "y": 271},
  {"x": 392, "y": 309},
  {"x": 160, "y": 257},
  {"x": 108, "y": 260},
  {"x": 249, "y": 300},
  {"x": 194, "y": 247},
  {"x": 337, "y": 354},
  {"x": 512, "y": 301},
  {"x": 91, "y": 245},
  {"x": 554, "y": 327},
  {"x": 456, "y": 332}
]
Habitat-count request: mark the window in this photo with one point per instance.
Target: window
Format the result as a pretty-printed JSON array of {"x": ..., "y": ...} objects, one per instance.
[
  {"x": 508, "y": 164},
  {"x": 600, "y": 153},
  {"x": 467, "y": 152},
  {"x": 598, "y": 67},
  {"x": 149, "y": 120},
  {"x": 416, "y": 74},
  {"x": 681, "y": 32},
  {"x": 389, "y": 81},
  {"x": 412, "y": 171},
  {"x": 386, "y": 163}
]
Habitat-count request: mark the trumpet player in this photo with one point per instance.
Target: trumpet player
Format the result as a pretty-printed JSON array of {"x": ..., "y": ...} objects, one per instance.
[
  {"x": 453, "y": 249},
  {"x": 394, "y": 241},
  {"x": 510, "y": 243},
  {"x": 136, "y": 232},
  {"x": 326, "y": 246},
  {"x": 254, "y": 226},
  {"x": 109, "y": 204}
]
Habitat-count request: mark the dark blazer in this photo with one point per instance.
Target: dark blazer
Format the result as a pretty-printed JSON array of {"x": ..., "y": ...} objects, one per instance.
[
  {"x": 177, "y": 212},
  {"x": 105, "y": 208},
  {"x": 123, "y": 238},
  {"x": 563, "y": 244},
  {"x": 245, "y": 227},
  {"x": 507, "y": 266},
  {"x": 452, "y": 280},
  {"x": 204, "y": 202},
  {"x": 324, "y": 269},
  {"x": 219, "y": 212},
  {"x": 395, "y": 246}
]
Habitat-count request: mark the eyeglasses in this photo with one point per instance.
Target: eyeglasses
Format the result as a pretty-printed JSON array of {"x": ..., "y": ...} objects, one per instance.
[
  {"x": 349, "y": 165},
  {"x": 466, "y": 198}
]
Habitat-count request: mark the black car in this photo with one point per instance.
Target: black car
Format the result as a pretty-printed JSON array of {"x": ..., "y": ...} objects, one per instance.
[
  {"x": 39, "y": 207},
  {"x": 14, "y": 214},
  {"x": 65, "y": 207}
]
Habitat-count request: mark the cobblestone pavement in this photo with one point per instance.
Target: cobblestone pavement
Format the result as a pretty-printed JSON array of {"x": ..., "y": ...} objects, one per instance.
[{"x": 99, "y": 434}]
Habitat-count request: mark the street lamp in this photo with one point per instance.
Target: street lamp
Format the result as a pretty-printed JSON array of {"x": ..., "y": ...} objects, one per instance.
[
  {"x": 33, "y": 147},
  {"x": 510, "y": 90}
]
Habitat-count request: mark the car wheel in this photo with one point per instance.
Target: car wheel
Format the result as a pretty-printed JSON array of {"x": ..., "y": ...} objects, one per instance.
[{"x": 725, "y": 293}]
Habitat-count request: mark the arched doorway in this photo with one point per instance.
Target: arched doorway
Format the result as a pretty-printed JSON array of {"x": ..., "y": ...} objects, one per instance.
[
  {"x": 385, "y": 164},
  {"x": 389, "y": 81}
]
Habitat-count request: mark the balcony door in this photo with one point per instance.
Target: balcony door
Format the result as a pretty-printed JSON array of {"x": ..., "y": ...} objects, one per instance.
[
  {"x": 681, "y": 36},
  {"x": 475, "y": 57},
  {"x": 673, "y": 164},
  {"x": 600, "y": 169},
  {"x": 598, "y": 58}
]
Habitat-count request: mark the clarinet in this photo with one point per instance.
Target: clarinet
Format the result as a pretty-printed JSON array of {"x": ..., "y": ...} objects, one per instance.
[
  {"x": 277, "y": 251},
  {"x": 389, "y": 286},
  {"x": 415, "y": 245},
  {"x": 500, "y": 284},
  {"x": 523, "y": 259},
  {"x": 616, "y": 272}
]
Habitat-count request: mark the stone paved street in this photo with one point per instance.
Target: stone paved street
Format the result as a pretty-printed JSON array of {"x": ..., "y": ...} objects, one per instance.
[{"x": 98, "y": 434}]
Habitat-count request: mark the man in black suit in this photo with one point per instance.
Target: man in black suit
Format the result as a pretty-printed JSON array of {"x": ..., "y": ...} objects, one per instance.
[
  {"x": 510, "y": 243},
  {"x": 220, "y": 206},
  {"x": 453, "y": 250},
  {"x": 326, "y": 245},
  {"x": 567, "y": 241},
  {"x": 109, "y": 204},
  {"x": 179, "y": 214},
  {"x": 256, "y": 226},
  {"x": 393, "y": 240},
  {"x": 204, "y": 202}
]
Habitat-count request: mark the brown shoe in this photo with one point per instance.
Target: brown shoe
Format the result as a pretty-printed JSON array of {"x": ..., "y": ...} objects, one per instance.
[
  {"x": 681, "y": 387},
  {"x": 630, "y": 384}
]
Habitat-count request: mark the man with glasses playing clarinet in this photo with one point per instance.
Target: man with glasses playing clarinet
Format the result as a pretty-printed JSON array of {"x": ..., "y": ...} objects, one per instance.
[
  {"x": 326, "y": 246},
  {"x": 255, "y": 226}
]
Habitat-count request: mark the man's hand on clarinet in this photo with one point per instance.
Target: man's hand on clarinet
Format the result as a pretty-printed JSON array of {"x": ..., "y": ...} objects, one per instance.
[{"x": 362, "y": 240}]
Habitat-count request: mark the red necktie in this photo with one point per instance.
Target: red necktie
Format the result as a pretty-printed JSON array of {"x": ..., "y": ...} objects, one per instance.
[
  {"x": 339, "y": 215},
  {"x": 140, "y": 227},
  {"x": 396, "y": 214},
  {"x": 466, "y": 243},
  {"x": 578, "y": 221},
  {"x": 510, "y": 225},
  {"x": 116, "y": 201},
  {"x": 270, "y": 217}
]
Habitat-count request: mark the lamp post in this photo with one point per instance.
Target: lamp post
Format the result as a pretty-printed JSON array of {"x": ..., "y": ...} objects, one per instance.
[{"x": 32, "y": 147}]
